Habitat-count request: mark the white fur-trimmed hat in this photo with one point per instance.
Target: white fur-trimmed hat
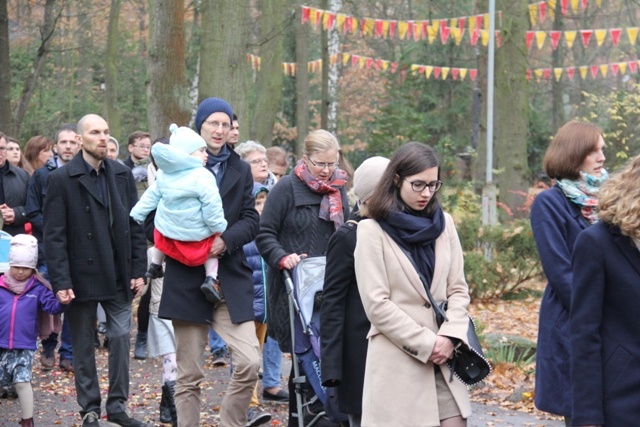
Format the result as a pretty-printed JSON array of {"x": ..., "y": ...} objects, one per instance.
[
  {"x": 367, "y": 176},
  {"x": 23, "y": 251}
]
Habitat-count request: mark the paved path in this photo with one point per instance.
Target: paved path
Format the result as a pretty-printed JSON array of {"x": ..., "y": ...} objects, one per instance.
[{"x": 55, "y": 403}]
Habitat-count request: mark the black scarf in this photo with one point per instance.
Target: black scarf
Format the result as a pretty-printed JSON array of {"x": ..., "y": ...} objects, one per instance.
[
  {"x": 417, "y": 235},
  {"x": 214, "y": 159}
]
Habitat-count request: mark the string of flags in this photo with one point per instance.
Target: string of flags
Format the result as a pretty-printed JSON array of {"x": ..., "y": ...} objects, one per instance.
[
  {"x": 540, "y": 10},
  {"x": 586, "y": 36},
  {"x": 381, "y": 65},
  {"x": 477, "y": 26},
  {"x": 627, "y": 67}
]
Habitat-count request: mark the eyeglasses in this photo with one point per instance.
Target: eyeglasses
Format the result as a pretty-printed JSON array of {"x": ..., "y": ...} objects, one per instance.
[
  {"x": 259, "y": 162},
  {"x": 143, "y": 147},
  {"x": 215, "y": 124},
  {"x": 419, "y": 186},
  {"x": 324, "y": 165}
]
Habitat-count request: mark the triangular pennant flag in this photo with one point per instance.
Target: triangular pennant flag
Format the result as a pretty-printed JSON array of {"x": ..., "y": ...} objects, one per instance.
[
  {"x": 445, "y": 72},
  {"x": 367, "y": 26},
  {"x": 377, "y": 64},
  {"x": 615, "y": 68},
  {"x": 354, "y": 25},
  {"x": 433, "y": 30},
  {"x": 600, "y": 35},
  {"x": 486, "y": 21},
  {"x": 340, "y": 18},
  {"x": 574, "y": 5},
  {"x": 369, "y": 63},
  {"x": 421, "y": 69},
  {"x": 362, "y": 62},
  {"x": 417, "y": 31},
  {"x": 457, "y": 35},
  {"x": 392, "y": 28},
  {"x": 472, "y": 23},
  {"x": 499, "y": 24},
  {"x": 570, "y": 37},
  {"x": 463, "y": 73},
  {"x": 584, "y": 4},
  {"x": 475, "y": 34},
  {"x": 538, "y": 73},
  {"x": 586, "y": 36},
  {"x": 333, "y": 59},
  {"x": 394, "y": 67},
  {"x": 546, "y": 73},
  {"x": 594, "y": 71},
  {"x": 345, "y": 59},
  {"x": 540, "y": 38},
  {"x": 461, "y": 23},
  {"x": 479, "y": 23},
  {"x": 427, "y": 71},
  {"x": 552, "y": 9},
  {"x": 529, "y": 39},
  {"x": 563, "y": 5},
  {"x": 377, "y": 33},
  {"x": 425, "y": 29},
  {"x": 555, "y": 38},
  {"x": 305, "y": 14},
  {"x": 409, "y": 30},
  {"x": 348, "y": 24},
  {"x": 316, "y": 18},
  {"x": 583, "y": 71},
  {"x": 437, "y": 71},
  {"x": 485, "y": 37},
  {"x": 633, "y": 66},
  {"x": 603, "y": 69},
  {"x": 533, "y": 13},
  {"x": 615, "y": 35},
  {"x": 414, "y": 69},
  {"x": 528, "y": 74},
  {"x": 328, "y": 20},
  {"x": 542, "y": 7},
  {"x": 385, "y": 65},
  {"x": 623, "y": 67},
  {"x": 598, "y": 3},
  {"x": 571, "y": 71},
  {"x": 498, "y": 38},
  {"x": 402, "y": 29},
  {"x": 385, "y": 28},
  {"x": 354, "y": 60},
  {"x": 557, "y": 73},
  {"x": 444, "y": 31},
  {"x": 455, "y": 72},
  {"x": 293, "y": 69},
  {"x": 473, "y": 73},
  {"x": 632, "y": 32},
  {"x": 285, "y": 68}
]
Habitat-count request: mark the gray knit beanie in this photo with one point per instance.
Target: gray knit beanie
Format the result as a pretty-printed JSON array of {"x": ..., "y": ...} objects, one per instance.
[{"x": 367, "y": 176}]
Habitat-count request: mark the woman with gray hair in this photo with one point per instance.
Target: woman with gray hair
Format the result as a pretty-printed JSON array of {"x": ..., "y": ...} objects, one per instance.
[{"x": 255, "y": 154}]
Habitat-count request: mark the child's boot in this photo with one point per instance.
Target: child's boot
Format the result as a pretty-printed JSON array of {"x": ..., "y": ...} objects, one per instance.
[{"x": 211, "y": 289}]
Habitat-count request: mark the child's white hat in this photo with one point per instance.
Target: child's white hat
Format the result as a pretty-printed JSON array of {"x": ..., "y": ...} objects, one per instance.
[
  {"x": 23, "y": 251},
  {"x": 185, "y": 139}
]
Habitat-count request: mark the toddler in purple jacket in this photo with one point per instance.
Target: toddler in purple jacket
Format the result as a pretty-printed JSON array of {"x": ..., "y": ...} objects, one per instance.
[{"x": 23, "y": 293}]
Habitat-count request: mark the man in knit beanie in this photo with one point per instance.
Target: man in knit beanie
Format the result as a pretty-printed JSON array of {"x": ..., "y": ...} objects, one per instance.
[{"x": 182, "y": 299}]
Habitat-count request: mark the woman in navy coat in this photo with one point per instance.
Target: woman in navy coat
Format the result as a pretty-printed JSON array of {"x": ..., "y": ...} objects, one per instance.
[
  {"x": 574, "y": 159},
  {"x": 605, "y": 342}
]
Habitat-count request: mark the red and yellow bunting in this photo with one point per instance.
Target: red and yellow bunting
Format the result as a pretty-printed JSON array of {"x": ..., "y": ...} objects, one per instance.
[
  {"x": 432, "y": 30},
  {"x": 613, "y": 35},
  {"x": 381, "y": 65},
  {"x": 540, "y": 11},
  {"x": 584, "y": 71}
]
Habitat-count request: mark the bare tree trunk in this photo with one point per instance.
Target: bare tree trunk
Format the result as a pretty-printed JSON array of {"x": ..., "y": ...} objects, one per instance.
[
  {"x": 167, "y": 93},
  {"x": 222, "y": 71},
  {"x": 511, "y": 103},
  {"x": 6, "y": 124},
  {"x": 557, "y": 86},
  {"x": 269, "y": 84},
  {"x": 51, "y": 16},
  {"x": 324, "y": 49},
  {"x": 302, "y": 85},
  {"x": 111, "y": 71},
  {"x": 333, "y": 47}
]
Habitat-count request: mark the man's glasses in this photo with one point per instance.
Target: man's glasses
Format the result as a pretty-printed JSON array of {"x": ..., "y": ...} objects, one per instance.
[
  {"x": 215, "y": 125},
  {"x": 142, "y": 147},
  {"x": 419, "y": 186},
  {"x": 324, "y": 165}
]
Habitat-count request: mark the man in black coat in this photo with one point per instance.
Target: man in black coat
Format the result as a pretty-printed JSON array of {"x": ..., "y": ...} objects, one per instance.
[
  {"x": 96, "y": 254},
  {"x": 184, "y": 303}
]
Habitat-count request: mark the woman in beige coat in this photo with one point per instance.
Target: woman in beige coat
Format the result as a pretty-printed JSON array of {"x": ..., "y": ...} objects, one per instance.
[{"x": 407, "y": 382}]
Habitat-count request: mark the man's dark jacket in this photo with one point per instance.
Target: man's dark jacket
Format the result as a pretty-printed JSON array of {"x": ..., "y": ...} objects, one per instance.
[{"x": 80, "y": 254}]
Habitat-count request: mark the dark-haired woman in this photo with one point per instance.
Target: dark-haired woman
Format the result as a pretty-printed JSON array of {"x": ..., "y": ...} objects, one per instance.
[
  {"x": 407, "y": 382},
  {"x": 575, "y": 160}
]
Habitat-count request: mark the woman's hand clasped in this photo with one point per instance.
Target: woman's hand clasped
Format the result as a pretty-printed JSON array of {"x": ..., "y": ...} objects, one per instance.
[{"x": 442, "y": 350}]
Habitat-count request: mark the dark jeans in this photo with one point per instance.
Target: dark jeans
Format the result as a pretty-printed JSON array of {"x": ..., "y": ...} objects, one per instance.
[
  {"x": 143, "y": 312},
  {"x": 82, "y": 319}
]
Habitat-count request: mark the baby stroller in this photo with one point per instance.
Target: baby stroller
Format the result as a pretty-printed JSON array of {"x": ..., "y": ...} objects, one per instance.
[{"x": 305, "y": 293}]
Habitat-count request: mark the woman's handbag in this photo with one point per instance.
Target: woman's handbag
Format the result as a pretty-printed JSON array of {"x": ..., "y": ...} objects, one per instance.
[{"x": 467, "y": 363}]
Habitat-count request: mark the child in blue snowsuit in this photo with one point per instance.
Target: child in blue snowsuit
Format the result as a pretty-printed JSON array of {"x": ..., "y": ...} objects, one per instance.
[
  {"x": 188, "y": 205},
  {"x": 23, "y": 294}
]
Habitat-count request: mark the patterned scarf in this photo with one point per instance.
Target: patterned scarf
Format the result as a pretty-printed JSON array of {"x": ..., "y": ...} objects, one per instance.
[
  {"x": 331, "y": 203},
  {"x": 584, "y": 193}
]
